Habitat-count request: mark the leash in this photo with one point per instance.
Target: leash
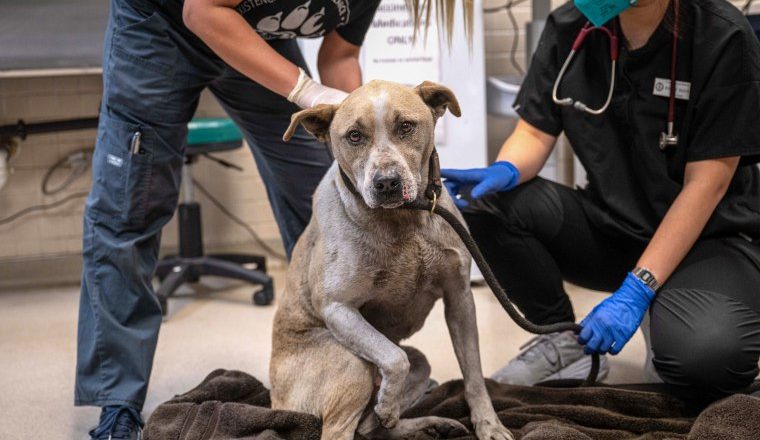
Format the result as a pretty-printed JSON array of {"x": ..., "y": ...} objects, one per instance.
[
  {"x": 428, "y": 202},
  {"x": 493, "y": 283}
]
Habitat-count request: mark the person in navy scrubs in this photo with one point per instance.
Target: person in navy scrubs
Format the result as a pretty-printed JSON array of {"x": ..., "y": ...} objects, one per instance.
[
  {"x": 674, "y": 232},
  {"x": 159, "y": 56}
]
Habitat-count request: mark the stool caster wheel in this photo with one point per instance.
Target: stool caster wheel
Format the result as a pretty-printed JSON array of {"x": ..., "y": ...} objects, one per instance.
[{"x": 264, "y": 297}]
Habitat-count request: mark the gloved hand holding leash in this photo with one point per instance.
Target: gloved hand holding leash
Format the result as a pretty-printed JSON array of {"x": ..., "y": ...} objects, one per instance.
[
  {"x": 612, "y": 323},
  {"x": 501, "y": 176}
]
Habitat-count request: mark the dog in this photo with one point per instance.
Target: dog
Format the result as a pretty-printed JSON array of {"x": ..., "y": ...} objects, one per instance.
[{"x": 364, "y": 276}]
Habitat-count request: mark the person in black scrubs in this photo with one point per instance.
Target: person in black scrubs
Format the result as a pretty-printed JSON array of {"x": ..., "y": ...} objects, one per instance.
[{"x": 674, "y": 232}]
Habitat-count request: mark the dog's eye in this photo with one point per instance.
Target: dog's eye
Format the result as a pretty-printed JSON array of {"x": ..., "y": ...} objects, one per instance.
[
  {"x": 406, "y": 128},
  {"x": 354, "y": 136}
]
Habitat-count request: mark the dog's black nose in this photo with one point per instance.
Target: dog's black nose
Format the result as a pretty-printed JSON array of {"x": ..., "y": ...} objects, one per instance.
[{"x": 386, "y": 183}]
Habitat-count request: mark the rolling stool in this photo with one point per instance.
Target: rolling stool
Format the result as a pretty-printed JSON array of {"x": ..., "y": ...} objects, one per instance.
[{"x": 207, "y": 136}]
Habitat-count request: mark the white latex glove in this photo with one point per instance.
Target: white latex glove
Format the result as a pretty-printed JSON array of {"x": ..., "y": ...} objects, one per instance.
[{"x": 307, "y": 93}]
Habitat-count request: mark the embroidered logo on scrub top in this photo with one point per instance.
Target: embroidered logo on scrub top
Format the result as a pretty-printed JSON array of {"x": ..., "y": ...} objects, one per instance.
[
  {"x": 662, "y": 88},
  {"x": 278, "y": 19}
]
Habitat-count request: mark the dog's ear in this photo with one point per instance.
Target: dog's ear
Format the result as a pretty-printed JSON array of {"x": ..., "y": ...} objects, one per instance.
[
  {"x": 438, "y": 98},
  {"x": 315, "y": 120}
]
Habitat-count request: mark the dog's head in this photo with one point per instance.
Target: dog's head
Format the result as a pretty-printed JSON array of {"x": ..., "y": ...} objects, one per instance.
[{"x": 382, "y": 137}]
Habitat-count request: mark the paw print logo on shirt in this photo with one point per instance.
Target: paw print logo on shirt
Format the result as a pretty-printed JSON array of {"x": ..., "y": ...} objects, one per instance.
[
  {"x": 297, "y": 16},
  {"x": 305, "y": 20}
]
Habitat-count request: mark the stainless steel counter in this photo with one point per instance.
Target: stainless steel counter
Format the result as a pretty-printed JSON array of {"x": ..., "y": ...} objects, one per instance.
[{"x": 64, "y": 36}]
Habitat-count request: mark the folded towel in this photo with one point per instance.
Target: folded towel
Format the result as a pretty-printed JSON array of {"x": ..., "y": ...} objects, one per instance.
[
  {"x": 228, "y": 405},
  {"x": 235, "y": 405}
]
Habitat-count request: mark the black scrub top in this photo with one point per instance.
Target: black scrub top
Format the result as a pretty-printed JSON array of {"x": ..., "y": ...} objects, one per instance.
[
  {"x": 631, "y": 182},
  {"x": 282, "y": 19}
]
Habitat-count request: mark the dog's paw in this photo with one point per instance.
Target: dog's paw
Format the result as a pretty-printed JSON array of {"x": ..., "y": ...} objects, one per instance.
[
  {"x": 388, "y": 414},
  {"x": 492, "y": 430},
  {"x": 445, "y": 427}
]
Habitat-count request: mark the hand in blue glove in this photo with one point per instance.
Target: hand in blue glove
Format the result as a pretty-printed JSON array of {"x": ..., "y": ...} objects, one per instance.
[
  {"x": 501, "y": 176},
  {"x": 613, "y": 322}
]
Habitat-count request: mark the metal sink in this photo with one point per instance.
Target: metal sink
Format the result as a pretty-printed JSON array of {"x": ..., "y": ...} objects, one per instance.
[{"x": 500, "y": 95}]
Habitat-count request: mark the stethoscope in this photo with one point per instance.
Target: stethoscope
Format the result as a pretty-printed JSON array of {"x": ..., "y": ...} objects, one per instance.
[{"x": 667, "y": 139}]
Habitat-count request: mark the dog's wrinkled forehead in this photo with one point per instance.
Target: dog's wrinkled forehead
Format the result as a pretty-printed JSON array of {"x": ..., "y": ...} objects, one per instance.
[
  {"x": 379, "y": 102},
  {"x": 425, "y": 103}
]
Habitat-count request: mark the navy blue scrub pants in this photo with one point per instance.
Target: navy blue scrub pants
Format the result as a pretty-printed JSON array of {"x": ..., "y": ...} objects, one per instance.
[
  {"x": 704, "y": 322},
  {"x": 154, "y": 70}
]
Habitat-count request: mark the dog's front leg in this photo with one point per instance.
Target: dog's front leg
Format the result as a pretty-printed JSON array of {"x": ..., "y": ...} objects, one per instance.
[
  {"x": 460, "y": 318},
  {"x": 353, "y": 331}
]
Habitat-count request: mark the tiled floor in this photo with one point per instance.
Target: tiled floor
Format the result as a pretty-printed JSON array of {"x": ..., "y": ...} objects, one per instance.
[{"x": 219, "y": 330}]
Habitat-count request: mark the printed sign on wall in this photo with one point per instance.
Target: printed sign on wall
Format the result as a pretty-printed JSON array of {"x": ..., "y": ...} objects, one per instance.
[{"x": 391, "y": 53}]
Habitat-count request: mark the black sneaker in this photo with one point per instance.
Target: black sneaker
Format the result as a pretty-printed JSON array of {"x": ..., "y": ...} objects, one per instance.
[{"x": 118, "y": 422}]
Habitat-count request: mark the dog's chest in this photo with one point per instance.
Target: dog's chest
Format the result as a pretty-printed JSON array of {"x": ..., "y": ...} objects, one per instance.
[{"x": 404, "y": 288}]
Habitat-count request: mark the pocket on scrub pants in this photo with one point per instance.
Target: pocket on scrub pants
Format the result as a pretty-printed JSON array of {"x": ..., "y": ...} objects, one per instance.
[
  {"x": 136, "y": 186},
  {"x": 121, "y": 173}
]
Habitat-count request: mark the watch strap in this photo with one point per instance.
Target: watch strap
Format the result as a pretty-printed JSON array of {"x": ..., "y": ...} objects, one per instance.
[{"x": 647, "y": 277}]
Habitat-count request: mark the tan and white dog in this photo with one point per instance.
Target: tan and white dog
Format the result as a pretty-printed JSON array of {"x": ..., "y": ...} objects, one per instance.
[{"x": 363, "y": 278}]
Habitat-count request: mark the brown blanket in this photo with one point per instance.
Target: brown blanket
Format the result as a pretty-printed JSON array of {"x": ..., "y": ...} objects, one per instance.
[{"x": 234, "y": 405}]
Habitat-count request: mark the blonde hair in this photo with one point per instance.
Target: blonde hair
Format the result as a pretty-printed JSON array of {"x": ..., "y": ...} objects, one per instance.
[{"x": 445, "y": 10}]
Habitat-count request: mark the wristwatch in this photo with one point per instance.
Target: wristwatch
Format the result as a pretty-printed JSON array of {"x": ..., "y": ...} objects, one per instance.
[{"x": 647, "y": 278}]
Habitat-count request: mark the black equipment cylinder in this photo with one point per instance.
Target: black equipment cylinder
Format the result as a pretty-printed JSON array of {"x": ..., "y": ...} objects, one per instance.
[{"x": 190, "y": 230}]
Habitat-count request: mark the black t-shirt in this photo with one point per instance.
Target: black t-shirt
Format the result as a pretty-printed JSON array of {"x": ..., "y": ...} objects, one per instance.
[
  {"x": 280, "y": 19},
  {"x": 632, "y": 183}
]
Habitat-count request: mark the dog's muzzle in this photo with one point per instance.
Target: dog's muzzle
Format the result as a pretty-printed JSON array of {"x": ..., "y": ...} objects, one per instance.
[{"x": 388, "y": 187}]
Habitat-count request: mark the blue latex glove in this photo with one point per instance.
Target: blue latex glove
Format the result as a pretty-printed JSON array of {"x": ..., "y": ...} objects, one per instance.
[
  {"x": 613, "y": 322},
  {"x": 501, "y": 176}
]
